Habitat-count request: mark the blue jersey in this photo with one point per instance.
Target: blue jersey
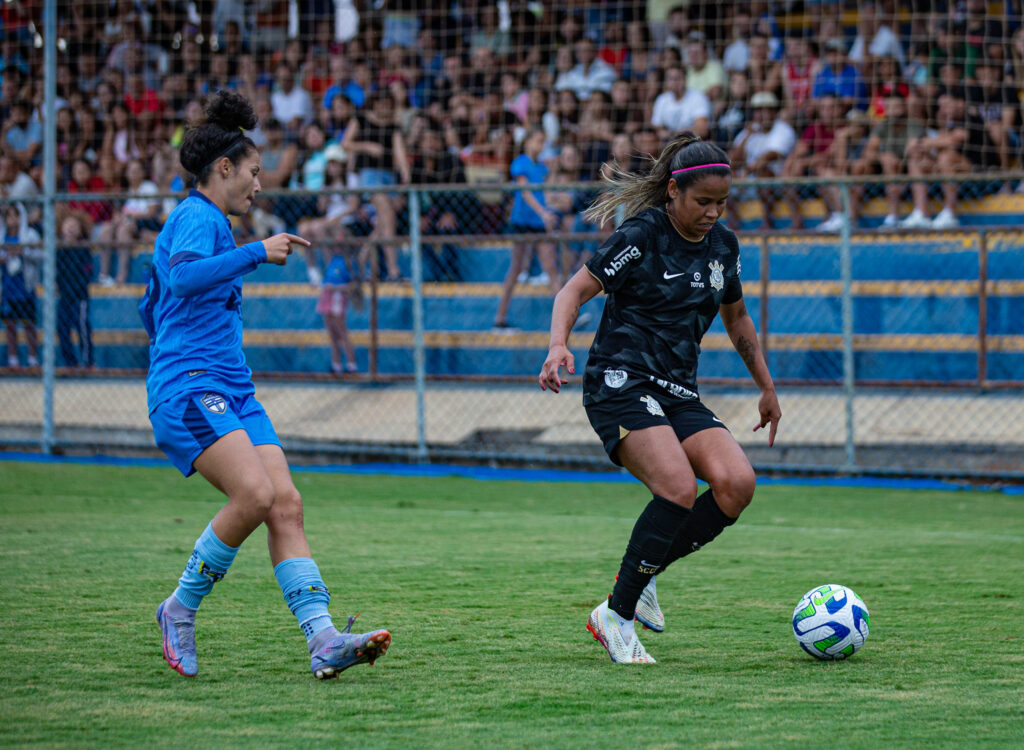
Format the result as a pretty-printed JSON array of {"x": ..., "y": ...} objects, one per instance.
[
  {"x": 337, "y": 272},
  {"x": 534, "y": 172},
  {"x": 192, "y": 309}
]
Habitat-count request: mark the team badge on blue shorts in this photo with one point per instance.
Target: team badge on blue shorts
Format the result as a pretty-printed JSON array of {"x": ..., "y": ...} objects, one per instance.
[{"x": 214, "y": 402}]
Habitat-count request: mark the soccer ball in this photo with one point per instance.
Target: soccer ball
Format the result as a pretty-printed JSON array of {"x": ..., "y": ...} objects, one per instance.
[{"x": 831, "y": 622}]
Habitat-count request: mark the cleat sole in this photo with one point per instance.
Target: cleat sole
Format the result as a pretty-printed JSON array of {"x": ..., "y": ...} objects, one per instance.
[
  {"x": 374, "y": 648},
  {"x": 650, "y": 627}
]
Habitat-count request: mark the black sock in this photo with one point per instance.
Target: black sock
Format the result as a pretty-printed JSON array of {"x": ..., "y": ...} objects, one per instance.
[
  {"x": 648, "y": 546},
  {"x": 705, "y": 523}
]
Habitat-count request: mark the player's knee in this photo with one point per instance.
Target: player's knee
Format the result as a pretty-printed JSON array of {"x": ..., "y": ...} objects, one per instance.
[
  {"x": 734, "y": 490},
  {"x": 680, "y": 490},
  {"x": 257, "y": 496},
  {"x": 288, "y": 507}
]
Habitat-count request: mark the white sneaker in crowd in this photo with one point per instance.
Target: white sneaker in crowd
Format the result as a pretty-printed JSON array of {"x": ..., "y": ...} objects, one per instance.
[
  {"x": 916, "y": 220},
  {"x": 833, "y": 223},
  {"x": 891, "y": 221},
  {"x": 945, "y": 219}
]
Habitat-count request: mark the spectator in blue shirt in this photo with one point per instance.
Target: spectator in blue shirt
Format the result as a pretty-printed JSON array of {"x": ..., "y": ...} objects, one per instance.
[
  {"x": 530, "y": 215},
  {"x": 22, "y": 136},
  {"x": 840, "y": 78}
]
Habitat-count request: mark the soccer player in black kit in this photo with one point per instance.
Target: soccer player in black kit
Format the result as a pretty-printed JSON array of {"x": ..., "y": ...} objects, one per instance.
[{"x": 667, "y": 270}]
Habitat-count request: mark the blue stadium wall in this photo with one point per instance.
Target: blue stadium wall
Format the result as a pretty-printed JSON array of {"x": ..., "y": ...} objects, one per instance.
[{"x": 915, "y": 314}]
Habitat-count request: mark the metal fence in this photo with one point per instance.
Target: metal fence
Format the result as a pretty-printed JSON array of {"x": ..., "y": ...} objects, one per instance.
[{"x": 894, "y": 351}]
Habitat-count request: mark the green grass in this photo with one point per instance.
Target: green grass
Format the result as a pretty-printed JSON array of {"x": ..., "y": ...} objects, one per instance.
[{"x": 486, "y": 587}]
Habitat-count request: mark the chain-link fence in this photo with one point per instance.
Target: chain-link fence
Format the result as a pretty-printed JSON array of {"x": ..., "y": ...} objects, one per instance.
[
  {"x": 893, "y": 351},
  {"x": 887, "y": 299}
]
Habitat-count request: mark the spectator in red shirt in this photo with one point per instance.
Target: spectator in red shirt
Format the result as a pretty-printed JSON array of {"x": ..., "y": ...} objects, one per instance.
[
  {"x": 887, "y": 82},
  {"x": 799, "y": 67},
  {"x": 614, "y": 50},
  {"x": 145, "y": 107},
  {"x": 810, "y": 156},
  {"x": 83, "y": 180}
]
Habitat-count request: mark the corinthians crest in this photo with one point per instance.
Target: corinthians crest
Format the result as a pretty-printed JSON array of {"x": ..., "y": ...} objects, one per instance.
[
  {"x": 615, "y": 378},
  {"x": 717, "y": 280},
  {"x": 653, "y": 406}
]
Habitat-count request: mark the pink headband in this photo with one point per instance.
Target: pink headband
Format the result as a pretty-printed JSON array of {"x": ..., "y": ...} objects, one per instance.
[{"x": 700, "y": 166}]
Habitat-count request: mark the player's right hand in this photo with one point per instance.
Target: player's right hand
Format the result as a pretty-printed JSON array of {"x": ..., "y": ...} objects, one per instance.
[
  {"x": 279, "y": 247},
  {"x": 558, "y": 356}
]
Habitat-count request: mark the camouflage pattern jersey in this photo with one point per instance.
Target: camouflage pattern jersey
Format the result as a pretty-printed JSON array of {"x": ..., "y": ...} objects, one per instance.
[{"x": 663, "y": 293}]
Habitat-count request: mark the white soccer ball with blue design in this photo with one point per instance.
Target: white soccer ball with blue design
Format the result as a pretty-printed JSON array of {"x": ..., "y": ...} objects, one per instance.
[{"x": 831, "y": 622}]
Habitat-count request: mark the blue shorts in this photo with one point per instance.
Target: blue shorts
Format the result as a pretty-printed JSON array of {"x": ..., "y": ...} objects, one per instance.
[
  {"x": 369, "y": 177},
  {"x": 189, "y": 423}
]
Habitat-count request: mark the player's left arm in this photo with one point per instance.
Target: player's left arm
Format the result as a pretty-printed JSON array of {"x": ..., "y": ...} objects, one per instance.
[{"x": 740, "y": 327}]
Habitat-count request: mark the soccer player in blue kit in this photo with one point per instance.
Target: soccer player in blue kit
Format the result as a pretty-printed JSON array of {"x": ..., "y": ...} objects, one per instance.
[
  {"x": 668, "y": 270},
  {"x": 201, "y": 402}
]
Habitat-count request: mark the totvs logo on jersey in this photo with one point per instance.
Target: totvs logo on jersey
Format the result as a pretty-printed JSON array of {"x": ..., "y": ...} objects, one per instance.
[{"x": 831, "y": 622}]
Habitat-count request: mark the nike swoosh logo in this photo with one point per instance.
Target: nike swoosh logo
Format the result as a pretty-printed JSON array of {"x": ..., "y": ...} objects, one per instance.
[
  {"x": 718, "y": 420},
  {"x": 668, "y": 275}
]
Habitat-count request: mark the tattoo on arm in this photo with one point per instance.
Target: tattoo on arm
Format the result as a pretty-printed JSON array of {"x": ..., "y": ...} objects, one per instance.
[{"x": 747, "y": 350}]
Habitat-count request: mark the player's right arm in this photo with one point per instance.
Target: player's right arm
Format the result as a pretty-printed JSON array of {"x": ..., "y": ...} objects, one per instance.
[
  {"x": 582, "y": 287},
  {"x": 194, "y": 268}
]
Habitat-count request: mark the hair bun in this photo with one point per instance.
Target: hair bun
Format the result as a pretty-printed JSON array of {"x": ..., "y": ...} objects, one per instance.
[{"x": 230, "y": 111}]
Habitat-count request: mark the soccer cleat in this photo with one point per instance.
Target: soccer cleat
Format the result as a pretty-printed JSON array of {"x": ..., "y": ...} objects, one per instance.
[
  {"x": 648, "y": 613},
  {"x": 347, "y": 650},
  {"x": 179, "y": 643},
  {"x": 605, "y": 629}
]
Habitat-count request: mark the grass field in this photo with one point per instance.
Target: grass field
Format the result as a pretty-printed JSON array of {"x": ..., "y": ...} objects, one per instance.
[{"x": 486, "y": 587}]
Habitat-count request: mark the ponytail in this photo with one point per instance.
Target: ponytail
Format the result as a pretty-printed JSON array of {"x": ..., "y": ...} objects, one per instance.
[{"x": 685, "y": 160}]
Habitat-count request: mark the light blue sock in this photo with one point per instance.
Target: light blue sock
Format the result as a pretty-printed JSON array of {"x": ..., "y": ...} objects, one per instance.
[
  {"x": 210, "y": 560},
  {"x": 305, "y": 594}
]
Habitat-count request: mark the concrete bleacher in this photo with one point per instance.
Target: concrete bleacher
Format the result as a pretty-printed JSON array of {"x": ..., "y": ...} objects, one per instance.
[{"x": 915, "y": 309}]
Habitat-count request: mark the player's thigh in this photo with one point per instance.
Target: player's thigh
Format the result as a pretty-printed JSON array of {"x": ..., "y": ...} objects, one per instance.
[
  {"x": 655, "y": 457},
  {"x": 718, "y": 459},
  {"x": 258, "y": 434},
  {"x": 233, "y": 466}
]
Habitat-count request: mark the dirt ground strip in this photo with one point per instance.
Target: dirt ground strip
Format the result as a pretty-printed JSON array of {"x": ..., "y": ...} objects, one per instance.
[{"x": 454, "y": 414}]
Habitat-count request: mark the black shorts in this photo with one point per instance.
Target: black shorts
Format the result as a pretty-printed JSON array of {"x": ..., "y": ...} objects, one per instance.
[
  {"x": 19, "y": 309},
  {"x": 524, "y": 229},
  {"x": 640, "y": 407}
]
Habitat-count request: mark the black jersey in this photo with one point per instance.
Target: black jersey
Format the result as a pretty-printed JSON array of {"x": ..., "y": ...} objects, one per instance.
[{"x": 663, "y": 293}]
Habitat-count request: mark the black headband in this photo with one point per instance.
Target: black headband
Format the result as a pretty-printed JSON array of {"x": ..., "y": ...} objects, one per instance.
[{"x": 234, "y": 142}]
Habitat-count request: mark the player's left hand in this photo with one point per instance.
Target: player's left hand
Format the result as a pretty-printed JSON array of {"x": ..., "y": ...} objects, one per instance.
[{"x": 771, "y": 413}]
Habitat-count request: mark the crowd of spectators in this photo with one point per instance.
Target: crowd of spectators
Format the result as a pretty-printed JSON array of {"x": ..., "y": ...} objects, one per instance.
[{"x": 385, "y": 92}]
